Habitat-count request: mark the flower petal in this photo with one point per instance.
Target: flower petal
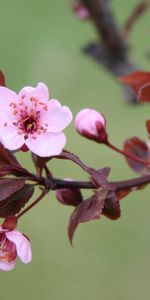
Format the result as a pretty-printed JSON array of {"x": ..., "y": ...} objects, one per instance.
[
  {"x": 7, "y": 254},
  {"x": 47, "y": 144},
  {"x": 7, "y": 265},
  {"x": 57, "y": 117},
  {"x": 10, "y": 138},
  {"x": 40, "y": 92},
  {"x": 7, "y": 96},
  {"x": 23, "y": 246}
]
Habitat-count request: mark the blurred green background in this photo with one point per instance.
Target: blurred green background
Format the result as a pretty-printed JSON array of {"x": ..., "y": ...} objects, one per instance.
[{"x": 41, "y": 41}]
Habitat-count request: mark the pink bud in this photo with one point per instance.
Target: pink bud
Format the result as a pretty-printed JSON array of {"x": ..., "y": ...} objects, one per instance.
[
  {"x": 69, "y": 196},
  {"x": 81, "y": 11},
  {"x": 91, "y": 124}
]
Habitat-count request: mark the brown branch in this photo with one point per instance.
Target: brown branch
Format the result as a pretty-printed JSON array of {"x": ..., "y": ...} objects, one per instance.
[
  {"x": 112, "y": 50},
  {"x": 105, "y": 24},
  {"x": 55, "y": 183}
]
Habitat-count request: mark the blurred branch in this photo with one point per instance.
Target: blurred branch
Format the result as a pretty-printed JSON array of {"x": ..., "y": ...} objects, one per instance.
[
  {"x": 135, "y": 14},
  {"x": 111, "y": 50}
]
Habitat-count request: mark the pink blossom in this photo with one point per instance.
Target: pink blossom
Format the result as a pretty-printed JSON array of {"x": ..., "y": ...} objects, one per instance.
[
  {"x": 13, "y": 243},
  {"x": 31, "y": 120},
  {"x": 91, "y": 124}
]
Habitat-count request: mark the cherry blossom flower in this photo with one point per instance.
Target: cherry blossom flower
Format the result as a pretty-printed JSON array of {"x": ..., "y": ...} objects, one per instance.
[
  {"x": 30, "y": 120},
  {"x": 13, "y": 243},
  {"x": 91, "y": 124}
]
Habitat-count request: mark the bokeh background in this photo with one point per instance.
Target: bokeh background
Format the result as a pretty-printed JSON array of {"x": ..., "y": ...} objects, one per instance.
[{"x": 42, "y": 41}]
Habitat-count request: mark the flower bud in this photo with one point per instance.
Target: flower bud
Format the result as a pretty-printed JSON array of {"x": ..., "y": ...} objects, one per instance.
[
  {"x": 69, "y": 196},
  {"x": 91, "y": 124},
  {"x": 80, "y": 10}
]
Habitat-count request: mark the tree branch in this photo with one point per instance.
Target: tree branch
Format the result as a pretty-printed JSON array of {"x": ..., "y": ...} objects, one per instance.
[
  {"x": 55, "y": 183},
  {"x": 112, "y": 50}
]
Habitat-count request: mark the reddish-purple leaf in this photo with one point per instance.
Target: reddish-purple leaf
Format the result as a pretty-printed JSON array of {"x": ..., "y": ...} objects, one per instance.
[
  {"x": 40, "y": 162},
  {"x": 69, "y": 196},
  {"x": 111, "y": 206},
  {"x": 70, "y": 156},
  {"x": 9, "y": 164},
  {"x": 8, "y": 186},
  {"x": 99, "y": 177},
  {"x": 148, "y": 127},
  {"x": 139, "y": 149},
  {"x": 7, "y": 157},
  {"x": 13, "y": 204},
  {"x": 2, "y": 79},
  {"x": 140, "y": 83},
  {"x": 123, "y": 193},
  {"x": 88, "y": 210}
]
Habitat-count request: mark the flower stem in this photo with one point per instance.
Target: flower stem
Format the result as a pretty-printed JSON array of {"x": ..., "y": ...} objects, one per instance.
[
  {"x": 139, "y": 160},
  {"x": 44, "y": 192}
]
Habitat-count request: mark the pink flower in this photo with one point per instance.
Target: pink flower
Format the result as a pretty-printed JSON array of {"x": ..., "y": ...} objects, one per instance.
[
  {"x": 30, "y": 120},
  {"x": 13, "y": 243},
  {"x": 91, "y": 124}
]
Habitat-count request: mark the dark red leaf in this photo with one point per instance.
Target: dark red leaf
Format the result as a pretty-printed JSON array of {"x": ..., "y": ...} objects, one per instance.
[
  {"x": 13, "y": 204},
  {"x": 148, "y": 127},
  {"x": 9, "y": 164},
  {"x": 40, "y": 162},
  {"x": 70, "y": 156},
  {"x": 8, "y": 186},
  {"x": 144, "y": 93},
  {"x": 69, "y": 196},
  {"x": 111, "y": 206},
  {"x": 99, "y": 177},
  {"x": 123, "y": 193},
  {"x": 139, "y": 149},
  {"x": 7, "y": 157},
  {"x": 2, "y": 79},
  {"x": 88, "y": 210},
  {"x": 140, "y": 82}
]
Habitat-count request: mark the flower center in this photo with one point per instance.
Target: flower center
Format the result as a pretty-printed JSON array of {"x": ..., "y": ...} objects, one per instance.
[
  {"x": 7, "y": 249},
  {"x": 28, "y": 116},
  {"x": 29, "y": 124}
]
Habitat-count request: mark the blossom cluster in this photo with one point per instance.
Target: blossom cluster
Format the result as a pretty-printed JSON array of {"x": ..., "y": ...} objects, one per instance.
[{"x": 30, "y": 121}]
